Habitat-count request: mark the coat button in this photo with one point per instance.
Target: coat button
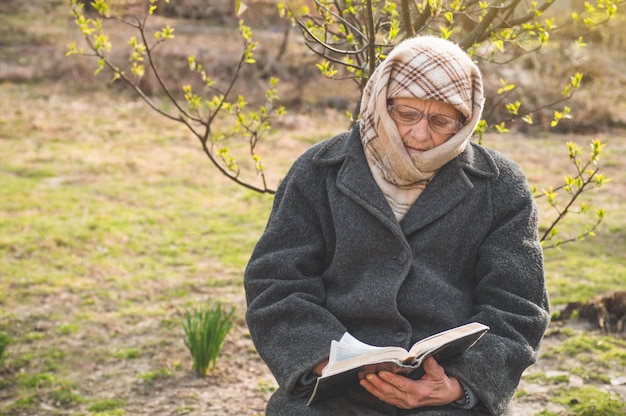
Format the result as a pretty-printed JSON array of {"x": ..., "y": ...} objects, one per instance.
[
  {"x": 399, "y": 336},
  {"x": 402, "y": 257}
]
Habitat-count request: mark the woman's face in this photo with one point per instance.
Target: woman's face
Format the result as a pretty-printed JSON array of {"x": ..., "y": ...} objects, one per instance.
[{"x": 419, "y": 137}]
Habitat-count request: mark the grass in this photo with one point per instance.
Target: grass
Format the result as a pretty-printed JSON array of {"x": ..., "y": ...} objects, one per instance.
[
  {"x": 595, "y": 265},
  {"x": 106, "y": 405},
  {"x": 113, "y": 224},
  {"x": 113, "y": 220},
  {"x": 112, "y": 228},
  {"x": 205, "y": 331},
  {"x": 591, "y": 401},
  {"x": 596, "y": 354}
]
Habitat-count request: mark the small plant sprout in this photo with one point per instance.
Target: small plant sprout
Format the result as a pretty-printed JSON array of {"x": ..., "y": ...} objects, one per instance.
[{"x": 205, "y": 331}]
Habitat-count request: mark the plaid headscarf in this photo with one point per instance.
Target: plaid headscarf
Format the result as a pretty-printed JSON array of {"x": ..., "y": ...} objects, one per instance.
[{"x": 428, "y": 68}]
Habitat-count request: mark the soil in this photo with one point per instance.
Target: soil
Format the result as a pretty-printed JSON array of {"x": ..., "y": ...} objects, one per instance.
[{"x": 241, "y": 384}]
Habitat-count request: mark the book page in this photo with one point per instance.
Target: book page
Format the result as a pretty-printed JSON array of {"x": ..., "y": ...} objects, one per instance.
[
  {"x": 349, "y": 347},
  {"x": 349, "y": 353},
  {"x": 432, "y": 343}
]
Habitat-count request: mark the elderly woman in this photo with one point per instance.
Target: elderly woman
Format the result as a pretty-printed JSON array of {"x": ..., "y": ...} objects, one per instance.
[{"x": 396, "y": 230}]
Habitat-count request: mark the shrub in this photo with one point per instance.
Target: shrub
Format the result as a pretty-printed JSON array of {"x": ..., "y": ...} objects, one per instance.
[{"x": 205, "y": 331}]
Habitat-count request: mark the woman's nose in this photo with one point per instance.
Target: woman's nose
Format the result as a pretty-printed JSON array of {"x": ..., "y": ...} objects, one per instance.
[{"x": 421, "y": 128}]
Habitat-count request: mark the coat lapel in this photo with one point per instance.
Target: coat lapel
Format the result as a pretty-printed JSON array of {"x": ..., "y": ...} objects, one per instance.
[
  {"x": 355, "y": 179},
  {"x": 450, "y": 186}
]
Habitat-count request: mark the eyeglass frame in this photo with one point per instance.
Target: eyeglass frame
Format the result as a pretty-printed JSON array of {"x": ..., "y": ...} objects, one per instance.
[{"x": 421, "y": 115}]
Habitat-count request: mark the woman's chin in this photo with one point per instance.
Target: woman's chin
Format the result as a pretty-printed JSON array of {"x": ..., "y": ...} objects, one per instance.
[{"x": 415, "y": 152}]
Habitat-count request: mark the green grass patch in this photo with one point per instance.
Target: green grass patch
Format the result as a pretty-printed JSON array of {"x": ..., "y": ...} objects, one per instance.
[
  {"x": 107, "y": 405},
  {"x": 66, "y": 397},
  {"x": 128, "y": 353},
  {"x": 68, "y": 328},
  {"x": 152, "y": 376},
  {"x": 591, "y": 401},
  {"x": 37, "y": 381},
  {"x": 595, "y": 358},
  {"x": 541, "y": 377},
  {"x": 582, "y": 271},
  {"x": 608, "y": 350},
  {"x": 25, "y": 403},
  {"x": 5, "y": 341},
  {"x": 44, "y": 387}
]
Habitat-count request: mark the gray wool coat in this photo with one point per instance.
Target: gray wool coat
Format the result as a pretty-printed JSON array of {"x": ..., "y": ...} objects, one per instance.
[{"x": 333, "y": 258}]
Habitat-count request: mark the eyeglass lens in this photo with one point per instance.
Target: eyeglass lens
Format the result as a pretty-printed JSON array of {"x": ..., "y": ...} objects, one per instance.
[{"x": 438, "y": 122}]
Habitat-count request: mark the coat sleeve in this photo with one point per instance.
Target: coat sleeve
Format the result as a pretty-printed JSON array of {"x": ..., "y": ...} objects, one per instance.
[
  {"x": 510, "y": 295},
  {"x": 283, "y": 283}
]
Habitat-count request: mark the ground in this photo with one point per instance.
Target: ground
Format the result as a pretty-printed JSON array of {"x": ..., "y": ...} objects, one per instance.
[{"x": 159, "y": 381}]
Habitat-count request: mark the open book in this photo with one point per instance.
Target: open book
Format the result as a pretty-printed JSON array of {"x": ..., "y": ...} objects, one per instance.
[{"x": 351, "y": 359}]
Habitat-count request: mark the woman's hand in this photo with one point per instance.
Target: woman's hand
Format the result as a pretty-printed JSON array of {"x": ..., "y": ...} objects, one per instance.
[
  {"x": 319, "y": 368},
  {"x": 435, "y": 388}
]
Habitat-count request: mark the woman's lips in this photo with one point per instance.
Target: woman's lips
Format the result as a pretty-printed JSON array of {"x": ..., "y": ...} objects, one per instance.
[{"x": 415, "y": 150}]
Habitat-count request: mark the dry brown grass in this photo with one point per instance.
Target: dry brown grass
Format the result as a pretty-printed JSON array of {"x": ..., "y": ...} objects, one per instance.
[{"x": 36, "y": 44}]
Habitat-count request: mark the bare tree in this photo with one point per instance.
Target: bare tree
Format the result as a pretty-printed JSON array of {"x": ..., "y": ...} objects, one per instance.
[
  {"x": 351, "y": 37},
  {"x": 198, "y": 111}
]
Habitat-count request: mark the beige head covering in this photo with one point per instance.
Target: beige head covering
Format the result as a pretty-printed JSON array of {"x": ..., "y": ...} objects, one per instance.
[{"x": 423, "y": 67}]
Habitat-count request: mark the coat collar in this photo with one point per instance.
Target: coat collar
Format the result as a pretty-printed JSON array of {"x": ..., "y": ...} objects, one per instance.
[
  {"x": 449, "y": 187},
  {"x": 354, "y": 178}
]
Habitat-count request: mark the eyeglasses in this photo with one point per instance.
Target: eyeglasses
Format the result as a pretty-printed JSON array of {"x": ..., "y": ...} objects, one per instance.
[{"x": 408, "y": 116}]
